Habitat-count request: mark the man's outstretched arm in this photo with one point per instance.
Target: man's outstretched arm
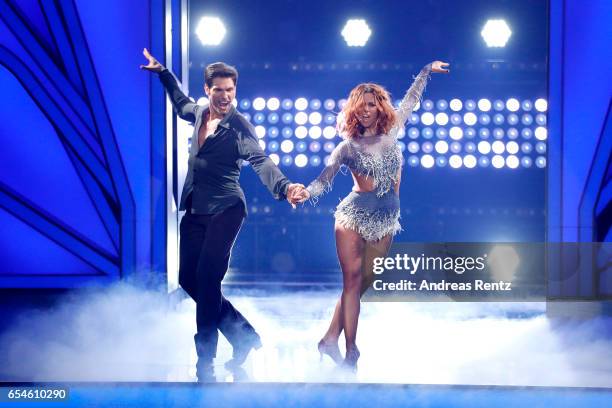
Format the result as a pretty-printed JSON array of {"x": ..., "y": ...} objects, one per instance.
[{"x": 183, "y": 106}]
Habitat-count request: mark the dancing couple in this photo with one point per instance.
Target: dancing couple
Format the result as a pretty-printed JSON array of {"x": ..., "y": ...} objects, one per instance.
[{"x": 215, "y": 206}]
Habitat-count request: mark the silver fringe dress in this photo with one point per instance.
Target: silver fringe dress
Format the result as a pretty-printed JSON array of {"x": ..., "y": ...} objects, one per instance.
[{"x": 374, "y": 214}]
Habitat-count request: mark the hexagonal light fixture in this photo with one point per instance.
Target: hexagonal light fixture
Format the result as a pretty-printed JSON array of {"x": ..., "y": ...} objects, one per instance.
[
  {"x": 356, "y": 32},
  {"x": 496, "y": 33},
  {"x": 210, "y": 30}
]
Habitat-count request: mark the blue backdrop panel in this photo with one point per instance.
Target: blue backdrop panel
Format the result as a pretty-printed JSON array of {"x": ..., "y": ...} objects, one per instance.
[
  {"x": 35, "y": 164},
  {"x": 82, "y": 114}
]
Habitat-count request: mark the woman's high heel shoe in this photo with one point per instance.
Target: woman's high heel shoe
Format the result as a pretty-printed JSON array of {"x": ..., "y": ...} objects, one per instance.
[
  {"x": 350, "y": 360},
  {"x": 331, "y": 349}
]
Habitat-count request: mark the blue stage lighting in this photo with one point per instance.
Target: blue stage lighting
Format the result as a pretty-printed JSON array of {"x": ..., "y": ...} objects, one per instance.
[
  {"x": 441, "y": 105},
  {"x": 245, "y": 104},
  {"x": 526, "y": 147},
  {"x": 513, "y": 119},
  {"x": 469, "y": 133},
  {"x": 484, "y": 133},
  {"x": 469, "y": 105},
  {"x": 287, "y": 104},
  {"x": 413, "y": 161},
  {"x": 526, "y": 162},
  {"x": 526, "y": 119},
  {"x": 341, "y": 103},
  {"x": 329, "y": 119},
  {"x": 540, "y": 147},
  {"x": 287, "y": 160},
  {"x": 441, "y": 133},
  {"x": 402, "y": 146},
  {"x": 484, "y": 119},
  {"x": 498, "y": 133},
  {"x": 315, "y": 147},
  {"x": 259, "y": 118},
  {"x": 512, "y": 133},
  {"x": 483, "y": 161},
  {"x": 413, "y": 133},
  {"x": 499, "y": 105},
  {"x": 455, "y": 119},
  {"x": 287, "y": 118},
  {"x": 301, "y": 146},
  {"x": 427, "y": 133},
  {"x": 526, "y": 105},
  {"x": 273, "y": 131},
  {"x": 441, "y": 161},
  {"x": 455, "y": 147},
  {"x": 540, "y": 119},
  {"x": 526, "y": 133},
  {"x": 315, "y": 104},
  {"x": 469, "y": 147},
  {"x": 273, "y": 146},
  {"x": 427, "y": 147},
  {"x": 329, "y": 146},
  {"x": 498, "y": 119},
  {"x": 541, "y": 162},
  {"x": 413, "y": 147},
  {"x": 273, "y": 118},
  {"x": 414, "y": 119},
  {"x": 287, "y": 132},
  {"x": 427, "y": 105},
  {"x": 315, "y": 160},
  {"x": 329, "y": 104}
]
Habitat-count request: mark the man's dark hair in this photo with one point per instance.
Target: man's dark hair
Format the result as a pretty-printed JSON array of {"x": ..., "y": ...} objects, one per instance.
[{"x": 219, "y": 70}]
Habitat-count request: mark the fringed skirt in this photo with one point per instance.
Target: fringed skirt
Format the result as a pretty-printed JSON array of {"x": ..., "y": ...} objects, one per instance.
[{"x": 370, "y": 216}]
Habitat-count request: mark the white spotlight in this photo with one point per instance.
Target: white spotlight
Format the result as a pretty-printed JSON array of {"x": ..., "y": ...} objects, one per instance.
[
  {"x": 469, "y": 161},
  {"x": 301, "y": 160},
  {"x": 260, "y": 131},
  {"x": 441, "y": 146},
  {"x": 496, "y": 33},
  {"x": 427, "y": 118},
  {"x": 210, "y": 30},
  {"x": 541, "y": 105},
  {"x": 259, "y": 104},
  {"x": 273, "y": 104},
  {"x": 274, "y": 157},
  {"x": 287, "y": 146},
  {"x": 441, "y": 118},
  {"x": 356, "y": 32},
  {"x": 484, "y": 105},
  {"x": 498, "y": 147},
  {"x": 301, "y": 132},
  {"x": 301, "y": 104},
  {"x": 512, "y": 161},
  {"x": 427, "y": 161},
  {"x": 329, "y": 132},
  {"x": 315, "y": 118},
  {"x": 484, "y": 147},
  {"x": 497, "y": 161},
  {"x": 301, "y": 118},
  {"x": 456, "y": 133},
  {"x": 470, "y": 119},
  {"x": 541, "y": 133},
  {"x": 456, "y": 105},
  {"x": 455, "y": 161},
  {"x": 513, "y": 105}
]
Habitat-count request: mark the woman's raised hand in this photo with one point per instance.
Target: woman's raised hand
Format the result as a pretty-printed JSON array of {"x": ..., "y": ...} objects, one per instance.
[{"x": 440, "y": 67}]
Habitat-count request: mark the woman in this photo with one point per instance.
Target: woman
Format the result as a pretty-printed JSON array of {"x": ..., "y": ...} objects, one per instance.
[{"x": 369, "y": 215}]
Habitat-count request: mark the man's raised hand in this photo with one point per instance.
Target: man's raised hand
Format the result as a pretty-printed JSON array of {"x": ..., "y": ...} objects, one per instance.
[{"x": 153, "y": 65}]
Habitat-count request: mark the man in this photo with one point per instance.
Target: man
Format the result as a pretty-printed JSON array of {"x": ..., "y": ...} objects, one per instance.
[{"x": 215, "y": 206}]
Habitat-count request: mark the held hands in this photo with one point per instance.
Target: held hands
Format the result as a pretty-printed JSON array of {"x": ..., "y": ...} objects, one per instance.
[
  {"x": 296, "y": 193},
  {"x": 153, "y": 65},
  {"x": 440, "y": 67}
]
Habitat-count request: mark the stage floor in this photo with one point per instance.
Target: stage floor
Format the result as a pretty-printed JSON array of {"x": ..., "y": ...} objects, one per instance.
[{"x": 125, "y": 334}]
